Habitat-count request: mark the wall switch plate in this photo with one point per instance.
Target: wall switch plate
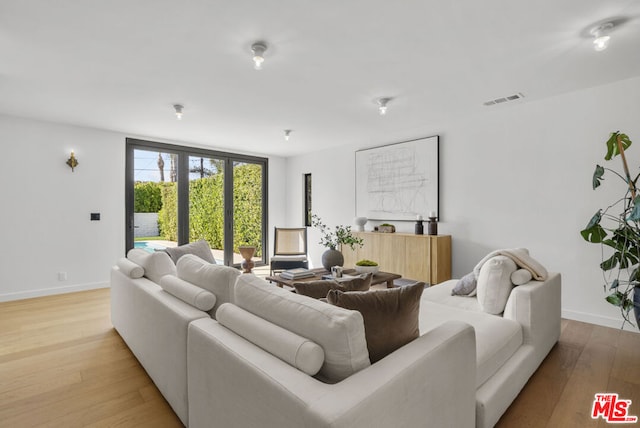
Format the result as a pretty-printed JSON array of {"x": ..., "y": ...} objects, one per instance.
[
  {"x": 62, "y": 276},
  {"x": 95, "y": 216}
]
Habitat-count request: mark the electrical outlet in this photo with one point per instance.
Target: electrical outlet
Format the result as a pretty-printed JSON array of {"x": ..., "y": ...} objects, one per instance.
[{"x": 62, "y": 276}]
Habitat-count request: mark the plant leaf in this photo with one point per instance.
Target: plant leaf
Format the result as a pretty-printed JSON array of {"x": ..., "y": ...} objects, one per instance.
[
  {"x": 635, "y": 275},
  {"x": 612, "y": 144},
  {"x": 614, "y": 284},
  {"x": 594, "y": 232},
  {"x": 635, "y": 213},
  {"x": 594, "y": 235},
  {"x": 626, "y": 142},
  {"x": 611, "y": 262},
  {"x": 615, "y": 299},
  {"x": 594, "y": 220},
  {"x": 597, "y": 176}
]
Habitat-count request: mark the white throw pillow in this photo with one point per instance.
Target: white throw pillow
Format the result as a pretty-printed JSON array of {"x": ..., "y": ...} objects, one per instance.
[
  {"x": 129, "y": 268},
  {"x": 155, "y": 265},
  {"x": 218, "y": 279},
  {"x": 339, "y": 331},
  {"x": 494, "y": 284},
  {"x": 188, "y": 293},
  {"x": 521, "y": 276},
  {"x": 199, "y": 248},
  {"x": 294, "y": 350}
]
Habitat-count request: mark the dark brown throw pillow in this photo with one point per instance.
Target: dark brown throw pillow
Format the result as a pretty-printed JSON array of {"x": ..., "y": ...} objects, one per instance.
[
  {"x": 390, "y": 316},
  {"x": 319, "y": 289},
  {"x": 315, "y": 289},
  {"x": 358, "y": 283}
]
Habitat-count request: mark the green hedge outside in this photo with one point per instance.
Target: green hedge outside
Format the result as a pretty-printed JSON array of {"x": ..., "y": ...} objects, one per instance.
[
  {"x": 147, "y": 197},
  {"x": 206, "y": 210}
]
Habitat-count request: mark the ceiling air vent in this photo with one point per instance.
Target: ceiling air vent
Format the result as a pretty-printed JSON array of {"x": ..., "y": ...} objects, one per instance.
[{"x": 504, "y": 99}]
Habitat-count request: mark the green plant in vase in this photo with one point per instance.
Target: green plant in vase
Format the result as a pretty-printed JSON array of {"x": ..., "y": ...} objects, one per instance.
[
  {"x": 332, "y": 239},
  {"x": 618, "y": 227}
]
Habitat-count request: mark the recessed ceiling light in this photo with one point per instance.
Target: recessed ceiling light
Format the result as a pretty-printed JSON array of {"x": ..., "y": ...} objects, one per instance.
[
  {"x": 178, "y": 108},
  {"x": 258, "y": 49},
  {"x": 382, "y": 105},
  {"x": 601, "y": 36}
]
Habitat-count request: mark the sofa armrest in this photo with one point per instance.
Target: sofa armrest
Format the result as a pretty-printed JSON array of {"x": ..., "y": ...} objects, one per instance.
[
  {"x": 233, "y": 383},
  {"x": 536, "y": 306},
  {"x": 430, "y": 381}
]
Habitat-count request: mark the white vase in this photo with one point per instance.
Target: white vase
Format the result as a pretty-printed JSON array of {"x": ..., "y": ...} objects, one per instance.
[{"x": 359, "y": 223}]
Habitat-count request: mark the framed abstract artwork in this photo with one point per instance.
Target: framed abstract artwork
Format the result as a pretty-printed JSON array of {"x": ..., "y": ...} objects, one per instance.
[{"x": 398, "y": 181}]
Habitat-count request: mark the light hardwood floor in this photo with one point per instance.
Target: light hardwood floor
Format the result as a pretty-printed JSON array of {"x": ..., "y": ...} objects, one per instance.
[{"x": 63, "y": 365}]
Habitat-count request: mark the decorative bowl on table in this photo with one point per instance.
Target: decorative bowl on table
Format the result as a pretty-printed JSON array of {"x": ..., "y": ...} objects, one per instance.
[
  {"x": 367, "y": 266},
  {"x": 367, "y": 269}
]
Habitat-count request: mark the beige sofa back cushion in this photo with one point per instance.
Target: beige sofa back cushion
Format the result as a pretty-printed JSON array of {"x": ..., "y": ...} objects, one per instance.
[
  {"x": 188, "y": 293},
  {"x": 340, "y": 332},
  {"x": 294, "y": 350},
  {"x": 155, "y": 265},
  {"x": 494, "y": 284},
  {"x": 218, "y": 279}
]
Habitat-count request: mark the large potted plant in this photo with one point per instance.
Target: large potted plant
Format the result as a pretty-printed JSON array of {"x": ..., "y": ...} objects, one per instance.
[
  {"x": 618, "y": 227},
  {"x": 332, "y": 239}
]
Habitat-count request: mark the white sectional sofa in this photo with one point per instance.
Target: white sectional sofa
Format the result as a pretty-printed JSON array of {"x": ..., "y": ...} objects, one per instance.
[{"x": 254, "y": 366}]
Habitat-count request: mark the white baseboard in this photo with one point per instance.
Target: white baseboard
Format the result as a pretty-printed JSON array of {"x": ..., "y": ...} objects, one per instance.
[
  {"x": 598, "y": 320},
  {"x": 51, "y": 291}
]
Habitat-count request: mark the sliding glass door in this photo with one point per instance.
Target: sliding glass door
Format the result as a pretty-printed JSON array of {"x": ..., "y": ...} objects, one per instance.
[
  {"x": 248, "y": 208},
  {"x": 176, "y": 195}
]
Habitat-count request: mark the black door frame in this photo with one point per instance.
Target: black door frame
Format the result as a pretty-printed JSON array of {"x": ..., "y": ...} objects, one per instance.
[{"x": 183, "y": 153}]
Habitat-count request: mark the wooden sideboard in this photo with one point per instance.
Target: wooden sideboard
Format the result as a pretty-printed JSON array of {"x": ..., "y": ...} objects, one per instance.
[{"x": 422, "y": 257}]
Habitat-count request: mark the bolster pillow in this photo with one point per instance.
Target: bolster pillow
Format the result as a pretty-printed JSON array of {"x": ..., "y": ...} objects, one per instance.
[
  {"x": 155, "y": 265},
  {"x": 188, "y": 293},
  {"x": 129, "y": 268},
  {"x": 295, "y": 350}
]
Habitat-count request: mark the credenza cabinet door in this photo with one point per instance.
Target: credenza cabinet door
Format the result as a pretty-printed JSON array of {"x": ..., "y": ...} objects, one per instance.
[{"x": 421, "y": 257}]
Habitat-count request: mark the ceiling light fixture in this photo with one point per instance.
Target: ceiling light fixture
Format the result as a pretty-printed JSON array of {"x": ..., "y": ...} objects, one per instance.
[
  {"x": 287, "y": 134},
  {"x": 178, "y": 108},
  {"x": 258, "y": 49},
  {"x": 601, "y": 36},
  {"x": 382, "y": 105}
]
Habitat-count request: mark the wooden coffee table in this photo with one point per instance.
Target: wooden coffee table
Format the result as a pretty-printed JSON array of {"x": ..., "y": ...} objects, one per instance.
[{"x": 378, "y": 278}]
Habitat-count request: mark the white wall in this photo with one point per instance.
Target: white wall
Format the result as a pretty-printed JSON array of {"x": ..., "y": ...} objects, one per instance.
[
  {"x": 514, "y": 175},
  {"x": 45, "y": 207}
]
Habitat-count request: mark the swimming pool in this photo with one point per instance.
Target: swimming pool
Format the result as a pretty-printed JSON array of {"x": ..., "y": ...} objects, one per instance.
[{"x": 148, "y": 246}]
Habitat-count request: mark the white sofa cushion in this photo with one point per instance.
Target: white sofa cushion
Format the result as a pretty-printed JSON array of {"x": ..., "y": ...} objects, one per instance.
[
  {"x": 155, "y": 265},
  {"x": 188, "y": 293},
  {"x": 494, "y": 283},
  {"x": 340, "y": 332},
  {"x": 295, "y": 350},
  {"x": 497, "y": 338},
  {"x": 199, "y": 248},
  {"x": 441, "y": 293},
  {"x": 129, "y": 268},
  {"x": 521, "y": 276},
  {"x": 218, "y": 279}
]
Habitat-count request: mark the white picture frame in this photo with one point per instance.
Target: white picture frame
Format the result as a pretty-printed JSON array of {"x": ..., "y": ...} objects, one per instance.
[{"x": 398, "y": 181}]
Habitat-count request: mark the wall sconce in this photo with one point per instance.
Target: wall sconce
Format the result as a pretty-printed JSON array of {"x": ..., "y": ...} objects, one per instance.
[{"x": 72, "y": 161}]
